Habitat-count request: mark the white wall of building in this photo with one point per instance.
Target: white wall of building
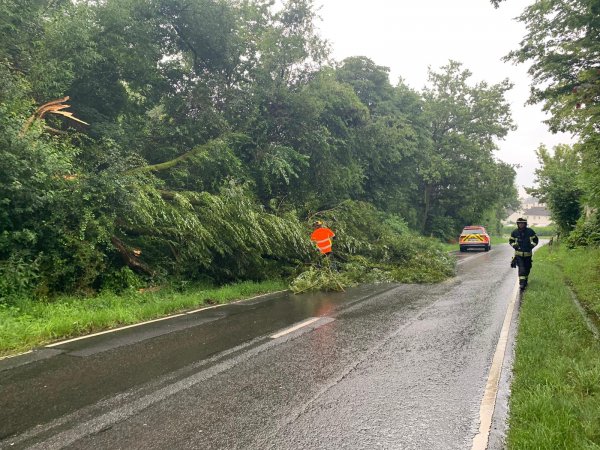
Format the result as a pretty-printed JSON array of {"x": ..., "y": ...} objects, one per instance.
[{"x": 537, "y": 220}]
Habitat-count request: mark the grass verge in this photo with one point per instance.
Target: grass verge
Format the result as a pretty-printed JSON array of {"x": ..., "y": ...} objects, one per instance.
[
  {"x": 555, "y": 394},
  {"x": 30, "y": 324}
]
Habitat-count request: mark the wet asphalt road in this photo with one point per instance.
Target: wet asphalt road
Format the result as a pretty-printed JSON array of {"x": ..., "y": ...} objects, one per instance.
[{"x": 388, "y": 366}]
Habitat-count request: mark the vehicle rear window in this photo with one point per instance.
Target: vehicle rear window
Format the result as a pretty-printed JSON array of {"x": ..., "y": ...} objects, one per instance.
[{"x": 473, "y": 231}]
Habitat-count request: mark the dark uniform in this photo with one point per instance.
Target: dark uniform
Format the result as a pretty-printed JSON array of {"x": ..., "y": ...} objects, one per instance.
[{"x": 523, "y": 240}]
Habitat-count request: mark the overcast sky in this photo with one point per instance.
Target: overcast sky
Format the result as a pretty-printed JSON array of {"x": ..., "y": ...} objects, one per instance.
[{"x": 408, "y": 36}]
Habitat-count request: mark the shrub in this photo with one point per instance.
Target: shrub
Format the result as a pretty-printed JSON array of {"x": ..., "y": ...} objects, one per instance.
[
  {"x": 586, "y": 232},
  {"x": 17, "y": 278},
  {"x": 121, "y": 280}
]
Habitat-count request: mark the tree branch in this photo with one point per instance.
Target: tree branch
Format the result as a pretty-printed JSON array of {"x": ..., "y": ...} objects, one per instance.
[
  {"x": 130, "y": 258},
  {"x": 168, "y": 164}
]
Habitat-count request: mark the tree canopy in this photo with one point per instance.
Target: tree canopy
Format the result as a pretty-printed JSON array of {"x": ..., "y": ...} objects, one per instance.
[
  {"x": 557, "y": 185},
  {"x": 203, "y": 135},
  {"x": 562, "y": 45}
]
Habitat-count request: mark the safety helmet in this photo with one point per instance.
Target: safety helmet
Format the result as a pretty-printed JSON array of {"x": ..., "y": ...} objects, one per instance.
[
  {"x": 521, "y": 220},
  {"x": 317, "y": 223}
]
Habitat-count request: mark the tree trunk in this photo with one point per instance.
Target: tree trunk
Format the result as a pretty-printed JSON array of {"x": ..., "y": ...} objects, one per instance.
[
  {"x": 129, "y": 258},
  {"x": 427, "y": 206}
]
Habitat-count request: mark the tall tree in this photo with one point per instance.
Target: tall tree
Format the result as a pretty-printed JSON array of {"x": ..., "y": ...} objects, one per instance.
[
  {"x": 393, "y": 140},
  {"x": 465, "y": 121},
  {"x": 216, "y": 126},
  {"x": 370, "y": 81},
  {"x": 557, "y": 180},
  {"x": 562, "y": 45}
]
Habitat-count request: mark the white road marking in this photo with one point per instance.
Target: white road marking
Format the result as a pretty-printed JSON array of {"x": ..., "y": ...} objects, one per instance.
[
  {"x": 295, "y": 327},
  {"x": 130, "y": 406},
  {"x": 18, "y": 354},
  {"x": 205, "y": 308},
  {"x": 66, "y": 436},
  {"x": 113, "y": 330},
  {"x": 469, "y": 258},
  {"x": 486, "y": 410}
]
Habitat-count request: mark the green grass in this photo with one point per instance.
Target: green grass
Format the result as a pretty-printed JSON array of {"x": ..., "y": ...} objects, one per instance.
[
  {"x": 582, "y": 270},
  {"x": 555, "y": 394},
  {"x": 31, "y": 324},
  {"x": 546, "y": 232}
]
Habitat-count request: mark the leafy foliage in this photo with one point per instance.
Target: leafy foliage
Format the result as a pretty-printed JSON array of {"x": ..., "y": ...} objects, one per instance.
[
  {"x": 216, "y": 128},
  {"x": 372, "y": 246},
  {"x": 461, "y": 179},
  {"x": 557, "y": 185},
  {"x": 562, "y": 47},
  {"x": 320, "y": 279},
  {"x": 585, "y": 233}
]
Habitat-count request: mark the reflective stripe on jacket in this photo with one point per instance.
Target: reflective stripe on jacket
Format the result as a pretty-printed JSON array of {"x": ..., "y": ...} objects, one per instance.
[{"x": 523, "y": 240}]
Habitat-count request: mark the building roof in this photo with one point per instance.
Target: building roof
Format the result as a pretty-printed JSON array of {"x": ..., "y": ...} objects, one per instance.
[{"x": 537, "y": 211}]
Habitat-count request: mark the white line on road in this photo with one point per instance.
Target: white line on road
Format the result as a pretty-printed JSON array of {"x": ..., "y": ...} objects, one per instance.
[
  {"x": 486, "y": 410},
  {"x": 67, "y": 436},
  {"x": 113, "y": 330},
  {"x": 471, "y": 258},
  {"x": 18, "y": 354},
  {"x": 218, "y": 364},
  {"x": 295, "y": 327}
]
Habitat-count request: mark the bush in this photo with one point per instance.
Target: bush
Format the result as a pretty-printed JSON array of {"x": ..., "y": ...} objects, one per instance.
[
  {"x": 121, "y": 280},
  {"x": 17, "y": 278},
  {"x": 586, "y": 232},
  {"x": 320, "y": 279},
  {"x": 444, "y": 227}
]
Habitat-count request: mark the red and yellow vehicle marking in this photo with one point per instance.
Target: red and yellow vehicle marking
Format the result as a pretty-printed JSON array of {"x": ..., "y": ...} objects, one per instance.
[{"x": 467, "y": 238}]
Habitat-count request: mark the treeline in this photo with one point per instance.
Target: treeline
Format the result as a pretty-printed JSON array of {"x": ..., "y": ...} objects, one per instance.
[
  {"x": 562, "y": 45},
  {"x": 206, "y": 135}
]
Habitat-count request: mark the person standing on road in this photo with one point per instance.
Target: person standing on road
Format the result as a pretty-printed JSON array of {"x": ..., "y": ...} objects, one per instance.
[
  {"x": 322, "y": 237},
  {"x": 523, "y": 240}
]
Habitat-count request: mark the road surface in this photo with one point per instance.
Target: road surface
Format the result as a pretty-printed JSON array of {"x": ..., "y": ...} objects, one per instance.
[{"x": 388, "y": 366}]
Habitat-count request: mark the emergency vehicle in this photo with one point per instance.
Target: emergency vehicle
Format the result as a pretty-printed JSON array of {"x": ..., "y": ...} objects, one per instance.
[{"x": 474, "y": 236}]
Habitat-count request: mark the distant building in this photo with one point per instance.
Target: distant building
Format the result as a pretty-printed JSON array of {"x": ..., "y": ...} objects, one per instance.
[
  {"x": 538, "y": 216},
  {"x": 531, "y": 209}
]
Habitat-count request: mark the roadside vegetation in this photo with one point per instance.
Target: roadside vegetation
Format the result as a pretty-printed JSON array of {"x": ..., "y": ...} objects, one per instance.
[
  {"x": 372, "y": 247},
  {"x": 555, "y": 400},
  {"x": 555, "y": 394},
  {"x": 546, "y": 232},
  {"x": 27, "y": 324},
  {"x": 202, "y": 154}
]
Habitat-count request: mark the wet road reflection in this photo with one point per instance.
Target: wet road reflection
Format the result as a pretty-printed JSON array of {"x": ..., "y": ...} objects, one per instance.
[
  {"x": 401, "y": 366},
  {"x": 91, "y": 369}
]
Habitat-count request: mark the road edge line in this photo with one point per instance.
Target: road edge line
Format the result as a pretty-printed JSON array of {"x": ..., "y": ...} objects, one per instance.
[
  {"x": 2, "y": 358},
  {"x": 488, "y": 402},
  {"x": 172, "y": 316}
]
